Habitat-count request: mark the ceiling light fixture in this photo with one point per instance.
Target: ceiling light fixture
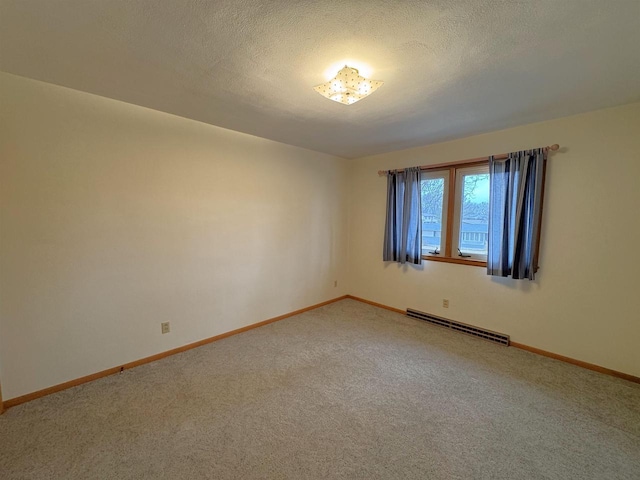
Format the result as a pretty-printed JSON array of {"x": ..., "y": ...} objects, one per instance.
[{"x": 348, "y": 86}]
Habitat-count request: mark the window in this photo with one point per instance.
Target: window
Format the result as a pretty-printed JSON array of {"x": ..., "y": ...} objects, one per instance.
[
  {"x": 434, "y": 189},
  {"x": 471, "y": 219},
  {"x": 455, "y": 214}
]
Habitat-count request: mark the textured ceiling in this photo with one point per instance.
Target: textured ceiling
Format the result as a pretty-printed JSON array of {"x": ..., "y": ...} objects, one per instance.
[{"x": 451, "y": 68}]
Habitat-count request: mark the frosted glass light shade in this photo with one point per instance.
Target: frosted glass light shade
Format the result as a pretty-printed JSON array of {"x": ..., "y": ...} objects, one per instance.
[{"x": 348, "y": 86}]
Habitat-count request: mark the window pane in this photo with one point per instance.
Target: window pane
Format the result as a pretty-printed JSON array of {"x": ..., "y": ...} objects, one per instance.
[
  {"x": 432, "y": 202},
  {"x": 474, "y": 221}
]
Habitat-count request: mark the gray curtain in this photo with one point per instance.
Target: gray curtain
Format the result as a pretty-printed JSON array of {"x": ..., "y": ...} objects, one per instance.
[
  {"x": 403, "y": 228},
  {"x": 515, "y": 201}
]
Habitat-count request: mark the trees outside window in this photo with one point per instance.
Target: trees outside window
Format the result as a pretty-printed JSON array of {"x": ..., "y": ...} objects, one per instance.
[{"x": 455, "y": 213}]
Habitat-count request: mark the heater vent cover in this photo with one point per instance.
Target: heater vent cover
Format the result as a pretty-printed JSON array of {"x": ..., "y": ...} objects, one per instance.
[{"x": 494, "y": 337}]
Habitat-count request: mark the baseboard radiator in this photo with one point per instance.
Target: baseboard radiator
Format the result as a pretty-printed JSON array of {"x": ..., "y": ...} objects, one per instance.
[{"x": 478, "y": 332}]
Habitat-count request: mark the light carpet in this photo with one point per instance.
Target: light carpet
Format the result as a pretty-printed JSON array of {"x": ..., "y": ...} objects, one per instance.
[{"x": 346, "y": 391}]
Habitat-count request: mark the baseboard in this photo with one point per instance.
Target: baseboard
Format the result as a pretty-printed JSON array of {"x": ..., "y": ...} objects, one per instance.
[
  {"x": 573, "y": 361},
  {"x": 379, "y": 305},
  {"x": 12, "y": 402},
  {"x": 579, "y": 363}
]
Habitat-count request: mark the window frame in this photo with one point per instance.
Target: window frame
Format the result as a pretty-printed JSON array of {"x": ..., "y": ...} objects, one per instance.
[
  {"x": 443, "y": 174},
  {"x": 461, "y": 172},
  {"x": 449, "y": 198}
]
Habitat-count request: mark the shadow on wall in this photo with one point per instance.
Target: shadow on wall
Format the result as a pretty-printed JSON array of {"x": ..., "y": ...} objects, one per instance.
[
  {"x": 406, "y": 266},
  {"x": 521, "y": 285}
]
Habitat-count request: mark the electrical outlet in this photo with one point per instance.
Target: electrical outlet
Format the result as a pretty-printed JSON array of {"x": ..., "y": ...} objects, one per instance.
[
  {"x": 165, "y": 327},
  {"x": 445, "y": 303},
  {"x": 335, "y": 283}
]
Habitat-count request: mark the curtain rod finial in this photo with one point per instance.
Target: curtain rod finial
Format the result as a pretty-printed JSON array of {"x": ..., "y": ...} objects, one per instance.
[{"x": 554, "y": 147}]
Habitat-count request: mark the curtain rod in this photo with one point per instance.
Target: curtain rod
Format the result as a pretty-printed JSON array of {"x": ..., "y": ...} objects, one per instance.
[{"x": 501, "y": 156}]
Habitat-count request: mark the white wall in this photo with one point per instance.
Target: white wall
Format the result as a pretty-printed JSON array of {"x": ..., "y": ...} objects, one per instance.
[
  {"x": 115, "y": 218},
  {"x": 585, "y": 302}
]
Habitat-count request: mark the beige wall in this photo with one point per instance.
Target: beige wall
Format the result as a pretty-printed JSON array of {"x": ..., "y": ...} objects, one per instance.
[
  {"x": 585, "y": 302},
  {"x": 115, "y": 218}
]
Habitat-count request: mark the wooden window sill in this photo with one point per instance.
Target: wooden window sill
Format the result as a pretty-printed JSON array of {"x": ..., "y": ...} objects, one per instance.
[{"x": 459, "y": 261}]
